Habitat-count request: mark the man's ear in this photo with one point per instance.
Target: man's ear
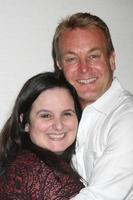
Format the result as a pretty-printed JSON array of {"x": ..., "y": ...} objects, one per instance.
[
  {"x": 112, "y": 61},
  {"x": 58, "y": 64}
]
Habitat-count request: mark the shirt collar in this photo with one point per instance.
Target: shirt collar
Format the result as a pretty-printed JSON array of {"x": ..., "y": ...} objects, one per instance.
[{"x": 107, "y": 101}]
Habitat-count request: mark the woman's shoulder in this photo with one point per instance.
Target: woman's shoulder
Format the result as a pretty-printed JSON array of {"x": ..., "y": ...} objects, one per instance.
[
  {"x": 29, "y": 161},
  {"x": 24, "y": 168},
  {"x": 32, "y": 177},
  {"x": 26, "y": 157},
  {"x": 22, "y": 175}
]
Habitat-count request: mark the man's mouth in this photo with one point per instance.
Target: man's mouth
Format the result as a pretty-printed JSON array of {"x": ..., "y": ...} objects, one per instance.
[{"x": 87, "y": 81}]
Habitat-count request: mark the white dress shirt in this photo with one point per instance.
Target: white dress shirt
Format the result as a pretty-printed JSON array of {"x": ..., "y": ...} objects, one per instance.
[{"x": 104, "y": 149}]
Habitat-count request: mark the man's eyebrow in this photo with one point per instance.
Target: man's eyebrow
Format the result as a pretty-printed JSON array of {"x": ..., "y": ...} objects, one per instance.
[
  {"x": 69, "y": 52},
  {"x": 94, "y": 49},
  {"x": 90, "y": 50}
]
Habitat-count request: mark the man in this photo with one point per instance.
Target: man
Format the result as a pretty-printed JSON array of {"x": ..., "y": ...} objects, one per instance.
[{"x": 83, "y": 51}]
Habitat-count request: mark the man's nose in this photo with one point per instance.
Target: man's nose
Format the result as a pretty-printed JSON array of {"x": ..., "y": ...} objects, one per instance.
[{"x": 84, "y": 66}]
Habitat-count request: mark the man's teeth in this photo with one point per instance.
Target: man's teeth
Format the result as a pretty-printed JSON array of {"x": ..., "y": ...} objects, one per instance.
[{"x": 87, "y": 81}]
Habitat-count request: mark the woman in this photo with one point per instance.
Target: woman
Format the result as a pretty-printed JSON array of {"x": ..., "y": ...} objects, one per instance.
[{"x": 38, "y": 140}]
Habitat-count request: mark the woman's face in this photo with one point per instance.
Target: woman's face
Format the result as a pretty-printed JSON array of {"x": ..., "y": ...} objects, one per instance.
[{"x": 53, "y": 120}]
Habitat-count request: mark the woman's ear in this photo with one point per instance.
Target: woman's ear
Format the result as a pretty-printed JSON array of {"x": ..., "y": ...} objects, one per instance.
[
  {"x": 21, "y": 117},
  {"x": 27, "y": 127}
]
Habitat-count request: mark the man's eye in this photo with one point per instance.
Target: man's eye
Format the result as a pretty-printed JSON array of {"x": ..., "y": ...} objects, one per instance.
[
  {"x": 71, "y": 60},
  {"x": 94, "y": 56}
]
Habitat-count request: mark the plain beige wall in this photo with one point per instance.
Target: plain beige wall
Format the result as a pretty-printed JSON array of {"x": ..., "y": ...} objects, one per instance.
[{"x": 26, "y": 31}]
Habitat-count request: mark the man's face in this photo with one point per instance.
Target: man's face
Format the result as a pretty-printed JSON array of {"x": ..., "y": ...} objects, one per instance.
[{"x": 85, "y": 62}]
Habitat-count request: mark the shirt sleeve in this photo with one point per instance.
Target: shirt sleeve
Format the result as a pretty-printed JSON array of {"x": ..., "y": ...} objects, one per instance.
[{"x": 112, "y": 175}]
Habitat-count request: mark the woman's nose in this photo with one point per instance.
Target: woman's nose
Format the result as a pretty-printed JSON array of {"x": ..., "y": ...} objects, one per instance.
[{"x": 58, "y": 124}]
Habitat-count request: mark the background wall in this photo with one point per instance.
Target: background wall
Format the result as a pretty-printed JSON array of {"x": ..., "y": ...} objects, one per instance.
[{"x": 26, "y": 31}]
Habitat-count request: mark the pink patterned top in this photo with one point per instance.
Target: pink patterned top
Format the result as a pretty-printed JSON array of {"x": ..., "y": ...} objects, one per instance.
[{"x": 29, "y": 178}]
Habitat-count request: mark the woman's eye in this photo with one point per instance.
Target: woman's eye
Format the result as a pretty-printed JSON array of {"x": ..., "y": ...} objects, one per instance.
[
  {"x": 47, "y": 116},
  {"x": 67, "y": 114}
]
